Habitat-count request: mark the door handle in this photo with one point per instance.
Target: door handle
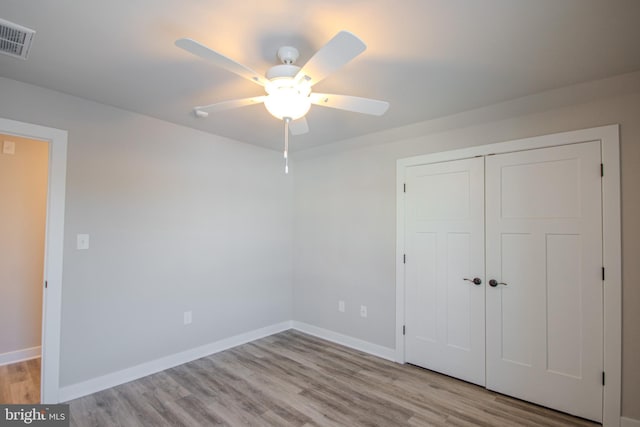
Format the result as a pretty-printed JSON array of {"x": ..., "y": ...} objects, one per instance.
[
  {"x": 475, "y": 280},
  {"x": 493, "y": 283}
]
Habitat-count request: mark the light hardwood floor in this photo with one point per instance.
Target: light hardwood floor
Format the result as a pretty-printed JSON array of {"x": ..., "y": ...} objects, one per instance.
[
  {"x": 293, "y": 379},
  {"x": 20, "y": 382}
]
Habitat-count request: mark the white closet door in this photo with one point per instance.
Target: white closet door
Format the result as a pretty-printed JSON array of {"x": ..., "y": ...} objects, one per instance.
[
  {"x": 444, "y": 314},
  {"x": 544, "y": 243}
]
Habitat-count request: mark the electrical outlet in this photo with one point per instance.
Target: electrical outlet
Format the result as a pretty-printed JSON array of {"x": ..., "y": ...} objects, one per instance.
[
  {"x": 363, "y": 311},
  {"x": 188, "y": 317},
  {"x": 341, "y": 306}
]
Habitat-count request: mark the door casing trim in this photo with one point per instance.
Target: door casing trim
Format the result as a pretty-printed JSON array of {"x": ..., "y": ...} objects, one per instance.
[{"x": 54, "y": 237}]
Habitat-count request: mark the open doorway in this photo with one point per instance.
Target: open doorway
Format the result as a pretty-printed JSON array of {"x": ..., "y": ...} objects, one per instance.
[
  {"x": 24, "y": 165},
  {"x": 50, "y": 275}
]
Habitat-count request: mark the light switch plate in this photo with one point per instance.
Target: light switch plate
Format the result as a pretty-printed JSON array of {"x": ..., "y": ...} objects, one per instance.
[
  {"x": 82, "y": 242},
  {"x": 9, "y": 147}
]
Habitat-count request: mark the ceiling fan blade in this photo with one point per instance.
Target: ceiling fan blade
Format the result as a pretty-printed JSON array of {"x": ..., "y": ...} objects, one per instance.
[
  {"x": 227, "y": 105},
  {"x": 341, "y": 49},
  {"x": 298, "y": 127},
  {"x": 350, "y": 103},
  {"x": 220, "y": 60}
]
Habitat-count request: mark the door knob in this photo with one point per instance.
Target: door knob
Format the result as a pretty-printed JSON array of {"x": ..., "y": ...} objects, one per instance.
[
  {"x": 493, "y": 283},
  {"x": 475, "y": 280}
]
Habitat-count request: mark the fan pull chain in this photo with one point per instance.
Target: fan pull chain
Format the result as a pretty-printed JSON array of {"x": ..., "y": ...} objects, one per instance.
[{"x": 286, "y": 144}]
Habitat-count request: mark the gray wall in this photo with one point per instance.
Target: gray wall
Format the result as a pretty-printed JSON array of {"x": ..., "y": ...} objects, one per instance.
[
  {"x": 345, "y": 213},
  {"x": 178, "y": 220},
  {"x": 23, "y": 209}
]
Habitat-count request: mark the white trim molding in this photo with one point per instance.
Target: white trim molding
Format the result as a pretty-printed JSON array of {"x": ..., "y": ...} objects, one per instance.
[
  {"x": 54, "y": 235},
  {"x": 113, "y": 379},
  {"x": 19, "y": 355},
  {"x": 612, "y": 247},
  {"x": 345, "y": 340},
  {"x": 629, "y": 422}
]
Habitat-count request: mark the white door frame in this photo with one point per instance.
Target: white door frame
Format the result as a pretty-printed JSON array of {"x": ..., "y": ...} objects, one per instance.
[
  {"x": 54, "y": 235},
  {"x": 612, "y": 246}
]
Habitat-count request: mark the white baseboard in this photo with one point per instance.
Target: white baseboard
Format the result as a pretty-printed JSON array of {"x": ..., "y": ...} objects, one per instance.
[
  {"x": 629, "y": 422},
  {"x": 94, "y": 385},
  {"x": 347, "y": 341},
  {"x": 19, "y": 355}
]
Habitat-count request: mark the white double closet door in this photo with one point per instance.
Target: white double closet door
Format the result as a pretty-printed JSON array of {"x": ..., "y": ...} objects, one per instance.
[{"x": 532, "y": 222}]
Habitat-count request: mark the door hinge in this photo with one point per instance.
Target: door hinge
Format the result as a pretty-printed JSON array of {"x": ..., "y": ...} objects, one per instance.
[
  {"x": 404, "y": 258},
  {"x": 46, "y": 284},
  {"x": 601, "y": 169},
  {"x": 602, "y": 377},
  {"x": 603, "y": 274},
  {"x": 404, "y": 330},
  {"x": 404, "y": 187}
]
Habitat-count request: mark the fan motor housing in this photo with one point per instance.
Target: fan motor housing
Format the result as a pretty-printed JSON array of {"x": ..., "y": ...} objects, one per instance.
[{"x": 282, "y": 70}]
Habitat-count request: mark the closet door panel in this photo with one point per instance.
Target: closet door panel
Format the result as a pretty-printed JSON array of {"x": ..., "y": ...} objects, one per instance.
[
  {"x": 544, "y": 248},
  {"x": 444, "y": 314}
]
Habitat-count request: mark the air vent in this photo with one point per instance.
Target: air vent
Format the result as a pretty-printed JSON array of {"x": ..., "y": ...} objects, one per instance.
[{"x": 15, "y": 40}]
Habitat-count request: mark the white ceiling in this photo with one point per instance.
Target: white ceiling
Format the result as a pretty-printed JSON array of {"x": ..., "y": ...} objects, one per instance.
[{"x": 428, "y": 58}]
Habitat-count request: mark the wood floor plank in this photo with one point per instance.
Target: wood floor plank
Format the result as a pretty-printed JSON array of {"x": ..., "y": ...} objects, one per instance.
[
  {"x": 271, "y": 402},
  {"x": 214, "y": 398},
  {"x": 24, "y": 392},
  {"x": 18, "y": 372},
  {"x": 293, "y": 379},
  {"x": 163, "y": 387},
  {"x": 113, "y": 409},
  {"x": 33, "y": 368},
  {"x": 87, "y": 413},
  {"x": 291, "y": 396},
  {"x": 5, "y": 391},
  {"x": 20, "y": 382},
  {"x": 183, "y": 410},
  {"x": 140, "y": 405}
]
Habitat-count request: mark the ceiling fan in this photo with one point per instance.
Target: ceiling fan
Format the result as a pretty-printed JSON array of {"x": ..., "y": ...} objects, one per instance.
[{"x": 288, "y": 86}]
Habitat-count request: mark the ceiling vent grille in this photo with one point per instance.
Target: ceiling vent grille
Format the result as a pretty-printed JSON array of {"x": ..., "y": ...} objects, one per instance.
[{"x": 15, "y": 40}]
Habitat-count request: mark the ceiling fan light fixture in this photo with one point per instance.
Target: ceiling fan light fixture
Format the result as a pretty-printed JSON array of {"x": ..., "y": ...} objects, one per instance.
[
  {"x": 286, "y": 99},
  {"x": 288, "y": 86}
]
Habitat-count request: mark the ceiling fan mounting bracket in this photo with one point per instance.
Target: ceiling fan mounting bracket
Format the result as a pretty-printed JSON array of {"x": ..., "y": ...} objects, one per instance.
[{"x": 288, "y": 54}]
